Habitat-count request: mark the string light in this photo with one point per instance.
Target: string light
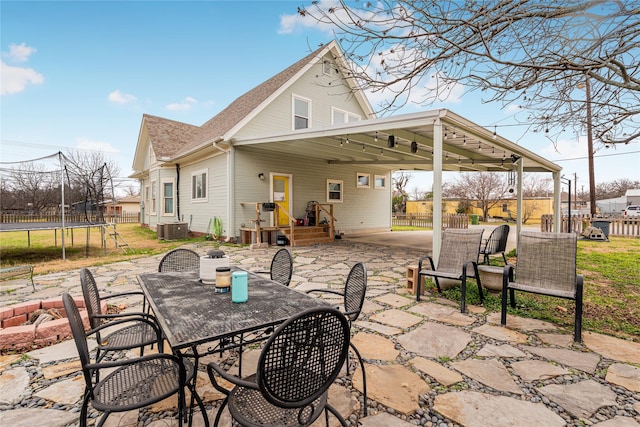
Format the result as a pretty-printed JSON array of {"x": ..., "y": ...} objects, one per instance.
[
  {"x": 340, "y": 142},
  {"x": 347, "y": 141},
  {"x": 375, "y": 139},
  {"x": 382, "y": 152},
  {"x": 464, "y": 142},
  {"x": 454, "y": 133},
  {"x": 479, "y": 146},
  {"x": 495, "y": 134},
  {"x": 362, "y": 147}
]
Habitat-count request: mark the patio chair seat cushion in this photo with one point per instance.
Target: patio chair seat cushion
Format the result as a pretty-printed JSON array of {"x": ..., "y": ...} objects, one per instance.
[{"x": 248, "y": 406}]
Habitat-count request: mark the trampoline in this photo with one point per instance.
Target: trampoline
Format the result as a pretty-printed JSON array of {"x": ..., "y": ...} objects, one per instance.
[{"x": 88, "y": 186}]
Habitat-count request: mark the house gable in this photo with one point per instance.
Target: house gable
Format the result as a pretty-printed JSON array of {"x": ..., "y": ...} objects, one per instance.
[
  {"x": 159, "y": 140},
  {"x": 330, "y": 100}
]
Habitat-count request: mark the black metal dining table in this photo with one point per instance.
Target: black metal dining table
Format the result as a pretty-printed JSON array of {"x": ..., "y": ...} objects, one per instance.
[{"x": 193, "y": 315}]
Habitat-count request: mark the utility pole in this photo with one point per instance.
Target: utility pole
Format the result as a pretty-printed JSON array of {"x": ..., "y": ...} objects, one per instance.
[{"x": 592, "y": 179}]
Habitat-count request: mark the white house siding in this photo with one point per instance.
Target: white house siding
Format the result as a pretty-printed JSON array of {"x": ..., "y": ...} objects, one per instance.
[
  {"x": 362, "y": 209},
  {"x": 277, "y": 116},
  {"x": 199, "y": 214},
  {"x": 156, "y": 176}
]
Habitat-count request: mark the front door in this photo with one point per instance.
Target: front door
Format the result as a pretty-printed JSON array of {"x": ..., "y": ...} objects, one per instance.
[{"x": 281, "y": 195}]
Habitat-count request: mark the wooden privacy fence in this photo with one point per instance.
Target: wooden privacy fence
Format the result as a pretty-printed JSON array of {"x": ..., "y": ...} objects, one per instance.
[
  {"x": 425, "y": 220},
  {"x": 617, "y": 226}
]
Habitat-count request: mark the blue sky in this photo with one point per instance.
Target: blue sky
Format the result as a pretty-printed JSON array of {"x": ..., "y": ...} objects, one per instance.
[{"x": 79, "y": 75}]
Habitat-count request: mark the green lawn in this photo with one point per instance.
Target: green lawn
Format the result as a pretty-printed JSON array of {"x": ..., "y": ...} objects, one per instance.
[{"x": 611, "y": 304}]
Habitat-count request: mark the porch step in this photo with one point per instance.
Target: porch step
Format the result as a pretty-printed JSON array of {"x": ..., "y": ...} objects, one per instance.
[{"x": 308, "y": 235}]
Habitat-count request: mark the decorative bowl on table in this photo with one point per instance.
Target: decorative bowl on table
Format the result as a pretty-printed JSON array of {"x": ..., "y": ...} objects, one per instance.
[{"x": 208, "y": 263}]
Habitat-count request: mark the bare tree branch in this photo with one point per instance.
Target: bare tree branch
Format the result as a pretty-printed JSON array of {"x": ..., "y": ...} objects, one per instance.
[{"x": 529, "y": 53}]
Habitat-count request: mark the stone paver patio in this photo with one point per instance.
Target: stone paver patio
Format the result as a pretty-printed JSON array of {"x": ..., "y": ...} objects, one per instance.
[{"x": 425, "y": 362}]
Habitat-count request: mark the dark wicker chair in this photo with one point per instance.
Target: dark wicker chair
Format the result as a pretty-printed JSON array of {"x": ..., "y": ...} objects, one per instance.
[
  {"x": 295, "y": 369},
  {"x": 281, "y": 267},
  {"x": 130, "y": 383},
  {"x": 459, "y": 250},
  {"x": 354, "y": 292},
  {"x": 139, "y": 330},
  {"x": 495, "y": 244},
  {"x": 546, "y": 265},
  {"x": 180, "y": 259}
]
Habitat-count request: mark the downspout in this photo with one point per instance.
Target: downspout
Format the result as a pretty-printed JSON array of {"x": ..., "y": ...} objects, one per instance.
[
  {"x": 231, "y": 221},
  {"x": 178, "y": 191}
]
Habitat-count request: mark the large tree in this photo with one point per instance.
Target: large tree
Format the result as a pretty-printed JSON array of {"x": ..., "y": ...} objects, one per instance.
[
  {"x": 91, "y": 176},
  {"x": 536, "y": 54},
  {"x": 487, "y": 189}
]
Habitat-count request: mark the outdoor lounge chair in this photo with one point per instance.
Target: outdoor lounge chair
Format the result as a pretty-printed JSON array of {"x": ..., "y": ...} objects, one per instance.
[
  {"x": 496, "y": 243},
  {"x": 354, "y": 292},
  {"x": 129, "y": 383},
  {"x": 180, "y": 259},
  {"x": 135, "y": 330},
  {"x": 295, "y": 369},
  {"x": 460, "y": 249},
  {"x": 281, "y": 267},
  {"x": 546, "y": 265}
]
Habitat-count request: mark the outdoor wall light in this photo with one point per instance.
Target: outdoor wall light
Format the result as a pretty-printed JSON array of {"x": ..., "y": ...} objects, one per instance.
[
  {"x": 391, "y": 141},
  {"x": 414, "y": 147},
  {"x": 261, "y": 176}
]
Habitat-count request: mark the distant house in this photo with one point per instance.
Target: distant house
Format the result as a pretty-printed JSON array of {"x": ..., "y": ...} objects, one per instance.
[
  {"x": 617, "y": 205},
  {"x": 307, "y": 134},
  {"x": 129, "y": 204}
]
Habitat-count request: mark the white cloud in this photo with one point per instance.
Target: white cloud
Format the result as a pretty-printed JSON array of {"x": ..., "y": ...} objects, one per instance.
[
  {"x": 20, "y": 52},
  {"x": 16, "y": 79},
  {"x": 296, "y": 22},
  {"x": 89, "y": 145},
  {"x": 566, "y": 149},
  {"x": 184, "y": 105},
  {"x": 118, "y": 97}
]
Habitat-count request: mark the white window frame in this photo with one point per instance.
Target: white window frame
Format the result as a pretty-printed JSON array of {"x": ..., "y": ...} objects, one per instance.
[
  {"x": 378, "y": 178},
  {"x": 205, "y": 180},
  {"x": 363, "y": 180},
  {"x": 329, "y": 191},
  {"x": 295, "y": 98},
  {"x": 347, "y": 117},
  {"x": 154, "y": 192},
  {"x": 173, "y": 197}
]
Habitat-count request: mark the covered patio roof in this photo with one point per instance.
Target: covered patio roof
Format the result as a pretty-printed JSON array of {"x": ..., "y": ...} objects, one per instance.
[
  {"x": 436, "y": 140},
  {"x": 466, "y": 146}
]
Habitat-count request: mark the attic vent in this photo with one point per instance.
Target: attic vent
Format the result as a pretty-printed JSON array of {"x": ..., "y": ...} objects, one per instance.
[{"x": 327, "y": 67}]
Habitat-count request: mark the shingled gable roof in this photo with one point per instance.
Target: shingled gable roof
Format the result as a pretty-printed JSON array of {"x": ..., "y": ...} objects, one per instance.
[
  {"x": 168, "y": 136},
  {"x": 246, "y": 104}
]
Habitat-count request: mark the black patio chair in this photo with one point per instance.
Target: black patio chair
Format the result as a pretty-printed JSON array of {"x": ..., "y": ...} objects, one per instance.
[
  {"x": 139, "y": 330},
  {"x": 130, "y": 383},
  {"x": 281, "y": 267},
  {"x": 354, "y": 292},
  {"x": 295, "y": 369},
  {"x": 546, "y": 265},
  {"x": 178, "y": 260},
  {"x": 496, "y": 243},
  {"x": 460, "y": 249}
]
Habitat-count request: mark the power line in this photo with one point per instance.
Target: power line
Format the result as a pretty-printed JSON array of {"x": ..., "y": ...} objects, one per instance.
[{"x": 601, "y": 155}]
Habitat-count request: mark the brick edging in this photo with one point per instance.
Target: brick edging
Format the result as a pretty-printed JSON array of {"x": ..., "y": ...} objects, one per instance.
[{"x": 15, "y": 336}]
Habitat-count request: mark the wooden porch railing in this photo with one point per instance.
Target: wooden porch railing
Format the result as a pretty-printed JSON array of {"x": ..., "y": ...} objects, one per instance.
[{"x": 332, "y": 219}]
